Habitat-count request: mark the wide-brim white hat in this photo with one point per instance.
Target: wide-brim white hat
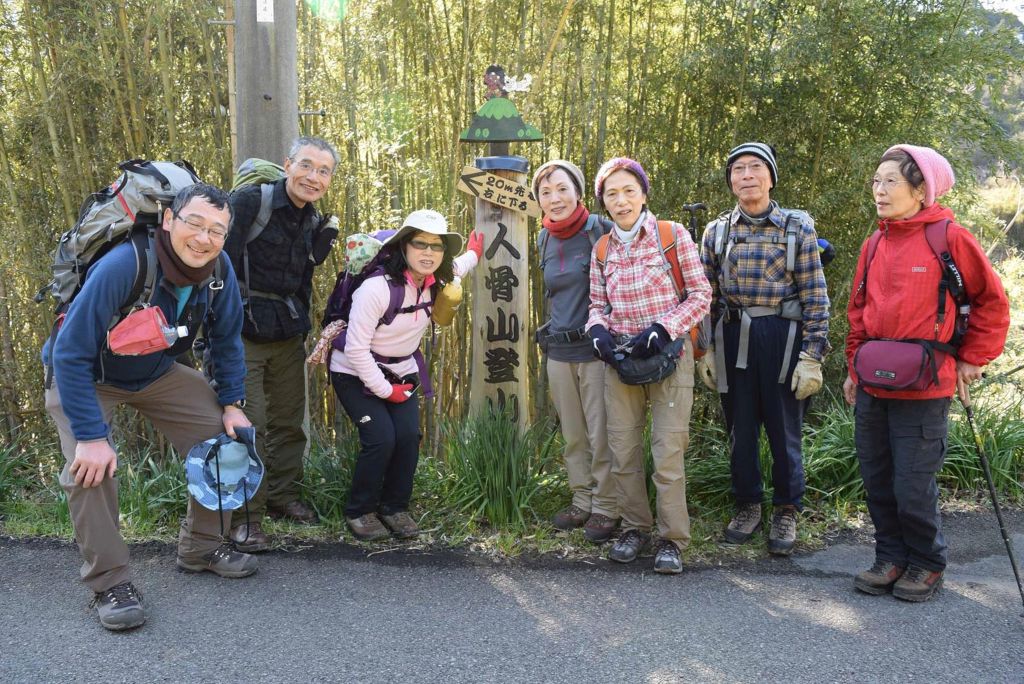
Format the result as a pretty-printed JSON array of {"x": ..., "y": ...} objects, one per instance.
[{"x": 428, "y": 221}]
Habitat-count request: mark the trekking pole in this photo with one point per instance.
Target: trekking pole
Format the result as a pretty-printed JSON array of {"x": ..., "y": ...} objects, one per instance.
[
  {"x": 694, "y": 209},
  {"x": 965, "y": 399}
]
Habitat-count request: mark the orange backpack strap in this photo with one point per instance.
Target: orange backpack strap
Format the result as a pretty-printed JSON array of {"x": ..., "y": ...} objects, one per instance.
[
  {"x": 601, "y": 251},
  {"x": 667, "y": 236}
]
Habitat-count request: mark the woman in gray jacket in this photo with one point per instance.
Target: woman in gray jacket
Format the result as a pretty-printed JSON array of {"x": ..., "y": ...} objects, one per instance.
[{"x": 575, "y": 376}]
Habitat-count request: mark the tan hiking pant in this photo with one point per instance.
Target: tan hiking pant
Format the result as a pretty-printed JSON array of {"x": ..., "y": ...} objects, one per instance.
[
  {"x": 671, "y": 401},
  {"x": 181, "y": 405},
  {"x": 275, "y": 402},
  {"x": 577, "y": 391}
]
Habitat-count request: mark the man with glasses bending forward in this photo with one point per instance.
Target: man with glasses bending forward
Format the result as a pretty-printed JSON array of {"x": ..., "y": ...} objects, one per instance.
[
  {"x": 770, "y": 309},
  {"x": 90, "y": 381},
  {"x": 276, "y": 269}
]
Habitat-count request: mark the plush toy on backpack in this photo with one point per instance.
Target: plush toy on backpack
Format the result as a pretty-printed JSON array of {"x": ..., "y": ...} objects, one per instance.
[{"x": 362, "y": 257}]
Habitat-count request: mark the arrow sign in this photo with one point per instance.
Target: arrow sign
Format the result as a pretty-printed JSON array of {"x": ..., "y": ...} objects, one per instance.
[{"x": 503, "y": 192}]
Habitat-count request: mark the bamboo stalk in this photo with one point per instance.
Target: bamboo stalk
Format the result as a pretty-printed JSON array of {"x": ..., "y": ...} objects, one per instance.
[
  {"x": 129, "y": 78},
  {"x": 170, "y": 103}
]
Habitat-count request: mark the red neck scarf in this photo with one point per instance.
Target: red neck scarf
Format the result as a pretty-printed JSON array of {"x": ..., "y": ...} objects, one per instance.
[{"x": 566, "y": 228}]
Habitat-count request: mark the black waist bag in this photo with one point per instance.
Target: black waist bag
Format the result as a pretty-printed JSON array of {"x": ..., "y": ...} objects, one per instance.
[{"x": 653, "y": 369}]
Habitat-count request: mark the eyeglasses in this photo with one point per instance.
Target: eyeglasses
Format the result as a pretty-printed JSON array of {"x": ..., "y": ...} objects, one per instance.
[
  {"x": 887, "y": 183},
  {"x": 742, "y": 169},
  {"x": 215, "y": 233},
  {"x": 424, "y": 246},
  {"x": 306, "y": 167}
]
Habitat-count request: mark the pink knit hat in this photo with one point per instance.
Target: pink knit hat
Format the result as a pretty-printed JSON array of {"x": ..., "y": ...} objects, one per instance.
[{"x": 938, "y": 174}]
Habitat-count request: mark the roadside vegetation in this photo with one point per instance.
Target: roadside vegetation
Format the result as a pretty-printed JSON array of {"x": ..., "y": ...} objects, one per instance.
[{"x": 673, "y": 83}]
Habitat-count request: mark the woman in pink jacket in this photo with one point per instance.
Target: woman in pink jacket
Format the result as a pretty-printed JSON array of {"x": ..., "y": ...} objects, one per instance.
[
  {"x": 907, "y": 352},
  {"x": 377, "y": 376}
]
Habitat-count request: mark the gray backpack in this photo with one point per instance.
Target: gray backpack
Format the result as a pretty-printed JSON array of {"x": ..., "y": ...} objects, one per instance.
[{"x": 134, "y": 203}]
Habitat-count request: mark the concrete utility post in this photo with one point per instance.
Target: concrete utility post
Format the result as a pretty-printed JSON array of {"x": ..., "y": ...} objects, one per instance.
[
  {"x": 267, "y": 98},
  {"x": 501, "y": 282}
]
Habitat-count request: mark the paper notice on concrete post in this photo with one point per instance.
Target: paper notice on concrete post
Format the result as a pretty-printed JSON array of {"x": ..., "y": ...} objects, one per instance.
[{"x": 265, "y": 11}]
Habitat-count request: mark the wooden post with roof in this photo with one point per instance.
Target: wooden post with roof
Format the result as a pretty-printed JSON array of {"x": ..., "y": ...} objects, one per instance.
[{"x": 501, "y": 284}]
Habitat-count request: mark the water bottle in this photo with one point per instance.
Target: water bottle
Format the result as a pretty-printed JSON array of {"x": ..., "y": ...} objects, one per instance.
[
  {"x": 448, "y": 301},
  {"x": 173, "y": 333}
]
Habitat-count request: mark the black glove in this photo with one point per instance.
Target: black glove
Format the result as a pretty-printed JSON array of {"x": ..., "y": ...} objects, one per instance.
[
  {"x": 604, "y": 345},
  {"x": 324, "y": 237},
  {"x": 649, "y": 341}
]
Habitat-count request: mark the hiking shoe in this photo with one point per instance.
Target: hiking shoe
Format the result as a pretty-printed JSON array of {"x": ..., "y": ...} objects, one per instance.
[
  {"x": 224, "y": 561},
  {"x": 628, "y": 546},
  {"x": 667, "y": 560},
  {"x": 367, "y": 527},
  {"x": 917, "y": 584},
  {"x": 599, "y": 528},
  {"x": 120, "y": 607},
  {"x": 782, "y": 536},
  {"x": 296, "y": 511},
  {"x": 401, "y": 524},
  {"x": 879, "y": 579},
  {"x": 744, "y": 523},
  {"x": 570, "y": 518},
  {"x": 249, "y": 538}
]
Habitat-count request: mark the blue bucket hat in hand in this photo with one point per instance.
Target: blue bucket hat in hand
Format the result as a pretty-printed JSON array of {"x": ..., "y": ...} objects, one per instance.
[{"x": 223, "y": 473}]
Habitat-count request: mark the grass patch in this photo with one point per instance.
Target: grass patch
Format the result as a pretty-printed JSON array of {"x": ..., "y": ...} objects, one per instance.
[
  {"x": 494, "y": 471},
  {"x": 492, "y": 490}
]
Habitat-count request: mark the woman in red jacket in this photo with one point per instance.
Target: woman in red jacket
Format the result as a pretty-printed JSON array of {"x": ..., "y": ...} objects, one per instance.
[{"x": 903, "y": 324}]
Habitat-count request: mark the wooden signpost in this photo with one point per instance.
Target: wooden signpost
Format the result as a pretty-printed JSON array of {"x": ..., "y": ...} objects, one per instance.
[
  {"x": 501, "y": 284},
  {"x": 507, "y": 193}
]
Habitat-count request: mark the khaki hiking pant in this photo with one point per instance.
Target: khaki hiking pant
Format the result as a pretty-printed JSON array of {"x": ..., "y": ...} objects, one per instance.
[
  {"x": 577, "y": 391},
  {"x": 671, "y": 401},
  {"x": 181, "y": 405},
  {"x": 275, "y": 402}
]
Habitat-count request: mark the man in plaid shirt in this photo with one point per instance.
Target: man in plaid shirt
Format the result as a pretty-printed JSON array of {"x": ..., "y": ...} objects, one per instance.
[
  {"x": 769, "y": 297},
  {"x": 635, "y": 310}
]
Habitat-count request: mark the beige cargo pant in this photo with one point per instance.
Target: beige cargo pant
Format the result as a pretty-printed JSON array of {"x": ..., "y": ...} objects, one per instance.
[
  {"x": 181, "y": 405},
  {"x": 671, "y": 402},
  {"x": 577, "y": 391}
]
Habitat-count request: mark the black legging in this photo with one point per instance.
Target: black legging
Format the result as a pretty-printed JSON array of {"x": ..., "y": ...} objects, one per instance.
[{"x": 389, "y": 446}]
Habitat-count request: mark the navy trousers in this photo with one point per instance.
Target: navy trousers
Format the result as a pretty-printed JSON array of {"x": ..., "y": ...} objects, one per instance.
[
  {"x": 389, "y": 448},
  {"x": 756, "y": 398},
  {"x": 901, "y": 445}
]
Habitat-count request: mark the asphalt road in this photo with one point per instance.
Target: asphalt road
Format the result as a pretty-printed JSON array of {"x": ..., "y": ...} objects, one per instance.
[{"x": 334, "y": 614}]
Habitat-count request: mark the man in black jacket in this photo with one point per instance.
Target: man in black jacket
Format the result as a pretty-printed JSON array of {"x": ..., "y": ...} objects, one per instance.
[{"x": 276, "y": 269}]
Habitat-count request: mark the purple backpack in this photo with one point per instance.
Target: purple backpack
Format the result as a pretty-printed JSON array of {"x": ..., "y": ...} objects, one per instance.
[{"x": 339, "y": 304}]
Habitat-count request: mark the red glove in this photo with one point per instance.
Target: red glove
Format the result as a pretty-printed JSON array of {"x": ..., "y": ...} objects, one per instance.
[
  {"x": 400, "y": 393},
  {"x": 476, "y": 244}
]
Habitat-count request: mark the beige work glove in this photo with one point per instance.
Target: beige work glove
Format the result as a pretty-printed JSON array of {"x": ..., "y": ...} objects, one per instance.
[
  {"x": 806, "y": 376},
  {"x": 706, "y": 371}
]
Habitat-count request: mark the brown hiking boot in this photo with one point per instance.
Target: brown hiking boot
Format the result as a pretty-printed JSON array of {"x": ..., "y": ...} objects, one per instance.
[
  {"x": 401, "y": 524},
  {"x": 249, "y": 538},
  {"x": 570, "y": 518},
  {"x": 879, "y": 579},
  {"x": 223, "y": 562},
  {"x": 782, "y": 536},
  {"x": 744, "y": 523},
  {"x": 917, "y": 584},
  {"x": 296, "y": 511},
  {"x": 599, "y": 528},
  {"x": 367, "y": 527}
]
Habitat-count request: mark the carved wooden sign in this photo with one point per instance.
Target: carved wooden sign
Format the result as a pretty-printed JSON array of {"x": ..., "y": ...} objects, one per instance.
[{"x": 505, "y": 192}]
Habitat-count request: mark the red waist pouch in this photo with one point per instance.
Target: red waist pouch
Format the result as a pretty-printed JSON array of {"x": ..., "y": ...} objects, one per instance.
[{"x": 143, "y": 331}]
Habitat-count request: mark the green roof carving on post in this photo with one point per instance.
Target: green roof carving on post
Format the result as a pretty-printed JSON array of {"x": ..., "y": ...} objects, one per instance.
[{"x": 498, "y": 120}]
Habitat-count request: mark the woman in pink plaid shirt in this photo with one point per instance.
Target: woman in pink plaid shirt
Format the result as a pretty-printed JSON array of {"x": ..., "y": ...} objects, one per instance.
[{"x": 636, "y": 312}]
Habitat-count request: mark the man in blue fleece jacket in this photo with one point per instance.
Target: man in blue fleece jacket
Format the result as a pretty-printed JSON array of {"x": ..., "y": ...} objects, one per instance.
[{"x": 91, "y": 381}]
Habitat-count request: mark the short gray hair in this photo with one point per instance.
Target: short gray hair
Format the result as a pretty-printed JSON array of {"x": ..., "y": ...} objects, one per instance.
[{"x": 318, "y": 143}]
